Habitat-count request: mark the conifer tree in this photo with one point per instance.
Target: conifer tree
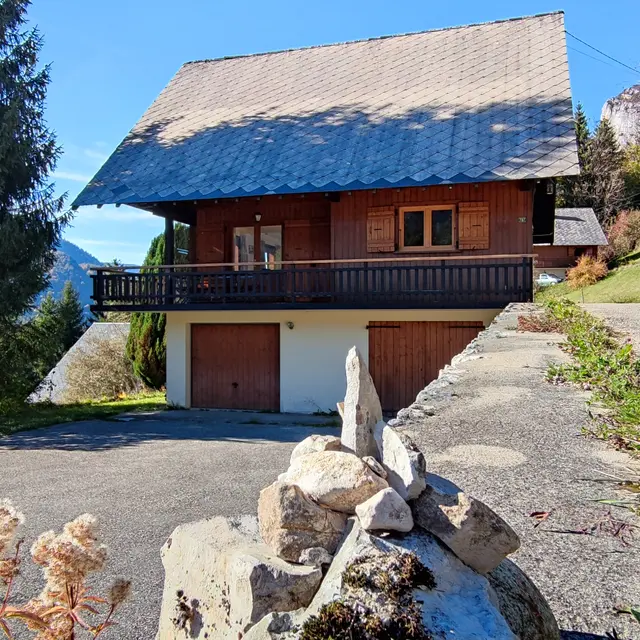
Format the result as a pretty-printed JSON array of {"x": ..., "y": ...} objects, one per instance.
[
  {"x": 30, "y": 215},
  {"x": 72, "y": 320},
  {"x": 146, "y": 346},
  {"x": 31, "y": 218}
]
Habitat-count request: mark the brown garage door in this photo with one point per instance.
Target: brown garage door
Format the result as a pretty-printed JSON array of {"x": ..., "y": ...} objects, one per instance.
[
  {"x": 235, "y": 366},
  {"x": 405, "y": 356}
]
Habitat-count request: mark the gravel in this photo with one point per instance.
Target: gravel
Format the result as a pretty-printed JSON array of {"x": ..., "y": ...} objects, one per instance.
[
  {"x": 509, "y": 438},
  {"x": 624, "y": 318},
  {"x": 143, "y": 477}
]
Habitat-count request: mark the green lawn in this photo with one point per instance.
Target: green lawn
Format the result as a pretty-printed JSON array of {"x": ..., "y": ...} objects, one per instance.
[
  {"x": 43, "y": 415},
  {"x": 621, "y": 285}
]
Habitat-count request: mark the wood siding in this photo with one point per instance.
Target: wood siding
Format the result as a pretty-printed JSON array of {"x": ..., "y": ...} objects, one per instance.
[
  {"x": 235, "y": 366},
  {"x": 405, "y": 356},
  {"x": 507, "y": 203},
  {"x": 550, "y": 257},
  {"x": 343, "y": 227},
  {"x": 305, "y": 222}
]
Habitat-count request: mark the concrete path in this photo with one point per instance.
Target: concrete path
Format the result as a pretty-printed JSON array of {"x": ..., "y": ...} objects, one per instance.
[
  {"x": 142, "y": 478},
  {"x": 624, "y": 318},
  {"x": 514, "y": 441}
]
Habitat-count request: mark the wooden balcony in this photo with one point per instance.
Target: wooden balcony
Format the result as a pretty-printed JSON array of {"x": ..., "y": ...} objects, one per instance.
[{"x": 400, "y": 283}]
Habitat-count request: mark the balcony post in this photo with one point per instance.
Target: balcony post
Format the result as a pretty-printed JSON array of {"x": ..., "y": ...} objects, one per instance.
[{"x": 169, "y": 243}]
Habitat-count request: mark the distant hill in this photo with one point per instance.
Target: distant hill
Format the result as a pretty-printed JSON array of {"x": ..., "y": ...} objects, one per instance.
[{"x": 72, "y": 263}]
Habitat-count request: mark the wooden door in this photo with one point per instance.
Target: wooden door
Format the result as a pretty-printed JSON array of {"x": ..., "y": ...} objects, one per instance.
[
  {"x": 404, "y": 357},
  {"x": 235, "y": 366}
]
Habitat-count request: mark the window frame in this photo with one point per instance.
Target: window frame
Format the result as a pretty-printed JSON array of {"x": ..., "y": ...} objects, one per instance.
[
  {"x": 257, "y": 254},
  {"x": 428, "y": 211}
]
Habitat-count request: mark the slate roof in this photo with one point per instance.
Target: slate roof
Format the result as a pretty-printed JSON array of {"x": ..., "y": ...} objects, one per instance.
[
  {"x": 476, "y": 103},
  {"x": 578, "y": 227}
]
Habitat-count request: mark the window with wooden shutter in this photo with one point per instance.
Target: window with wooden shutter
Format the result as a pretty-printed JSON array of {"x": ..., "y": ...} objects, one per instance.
[
  {"x": 381, "y": 230},
  {"x": 473, "y": 225}
]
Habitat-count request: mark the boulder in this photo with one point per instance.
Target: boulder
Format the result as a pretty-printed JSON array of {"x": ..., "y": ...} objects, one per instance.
[
  {"x": 220, "y": 579},
  {"x": 521, "y": 603},
  {"x": 316, "y": 557},
  {"x": 403, "y": 461},
  {"x": 475, "y": 533},
  {"x": 375, "y": 466},
  {"x": 290, "y": 522},
  {"x": 275, "y": 626},
  {"x": 362, "y": 409},
  {"x": 462, "y": 605},
  {"x": 314, "y": 444},
  {"x": 386, "y": 511},
  {"x": 337, "y": 480}
]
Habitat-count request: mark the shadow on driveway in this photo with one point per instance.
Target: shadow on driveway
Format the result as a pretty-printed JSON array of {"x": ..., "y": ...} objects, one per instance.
[{"x": 133, "y": 429}]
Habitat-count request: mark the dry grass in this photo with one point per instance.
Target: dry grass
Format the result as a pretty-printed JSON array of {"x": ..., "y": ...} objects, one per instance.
[
  {"x": 100, "y": 371},
  {"x": 65, "y": 609}
]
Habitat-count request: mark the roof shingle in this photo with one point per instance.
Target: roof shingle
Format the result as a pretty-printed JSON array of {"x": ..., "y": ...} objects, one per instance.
[
  {"x": 475, "y": 103},
  {"x": 579, "y": 228}
]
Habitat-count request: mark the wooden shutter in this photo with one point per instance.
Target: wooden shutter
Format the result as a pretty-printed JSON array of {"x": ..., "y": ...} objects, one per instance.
[
  {"x": 381, "y": 230},
  {"x": 473, "y": 225}
]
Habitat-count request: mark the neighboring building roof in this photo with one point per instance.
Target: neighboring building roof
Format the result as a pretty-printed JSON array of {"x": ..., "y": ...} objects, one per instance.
[
  {"x": 578, "y": 227},
  {"x": 466, "y": 104},
  {"x": 52, "y": 388}
]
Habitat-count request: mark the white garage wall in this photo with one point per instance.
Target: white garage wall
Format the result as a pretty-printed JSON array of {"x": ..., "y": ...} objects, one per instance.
[{"x": 312, "y": 354}]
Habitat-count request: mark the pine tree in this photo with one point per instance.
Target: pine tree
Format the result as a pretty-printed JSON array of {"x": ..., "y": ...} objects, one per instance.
[
  {"x": 71, "y": 314},
  {"x": 572, "y": 190},
  {"x": 30, "y": 215},
  {"x": 47, "y": 326},
  {"x": 147, "y": 347},
  {"x": 605, "y": 173}
]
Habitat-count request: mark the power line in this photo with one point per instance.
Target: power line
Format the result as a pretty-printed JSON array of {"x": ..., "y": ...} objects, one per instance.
[
  {"x": 590, "y": 56},
  {"x": 602, "y": 53}
]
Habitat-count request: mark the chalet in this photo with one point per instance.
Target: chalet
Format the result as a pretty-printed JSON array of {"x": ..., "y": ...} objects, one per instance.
[
  {"x": 577, "y": 232},
  {"x": 383, "y": 193}
]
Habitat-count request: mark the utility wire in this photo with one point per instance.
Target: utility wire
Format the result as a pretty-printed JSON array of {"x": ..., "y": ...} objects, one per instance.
[
  {"x": 600, "y": 60},
  {"x": 602, "y": 53}
]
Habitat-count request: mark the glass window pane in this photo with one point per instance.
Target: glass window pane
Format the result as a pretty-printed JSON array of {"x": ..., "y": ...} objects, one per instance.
[
  {"x": 243, "y": 246},
  {"x": 414, "y": 228},
  {"x": 271, "y": 246},
  {"x": 442, "y": 228}
]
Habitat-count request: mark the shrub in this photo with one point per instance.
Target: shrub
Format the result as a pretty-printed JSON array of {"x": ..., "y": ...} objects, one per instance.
[
  {"x": 587, "y": 271},
  {"x": 99, "y": 369},
  {"x": 623, "y": 236}
]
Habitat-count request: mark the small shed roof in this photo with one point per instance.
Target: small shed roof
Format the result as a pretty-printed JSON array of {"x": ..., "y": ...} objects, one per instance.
[
  {"x": 476, "y": 103},
  {"x": 578, "y": 227}
]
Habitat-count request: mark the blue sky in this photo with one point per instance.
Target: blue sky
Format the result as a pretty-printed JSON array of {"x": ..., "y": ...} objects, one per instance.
[{"x": 111, "y": 59}]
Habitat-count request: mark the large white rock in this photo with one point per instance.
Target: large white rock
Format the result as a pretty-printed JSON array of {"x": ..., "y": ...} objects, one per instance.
[
  {"x": 315, "y": 444},
  {"x": 362, "y": 409},
  {"x": 475, "y": 533},
  {"x": 385, "y": 511},
  {"x": 226, "y": 580},
  {"x": 522, "y": 605},
  {"x": 334, "y": 479},
  {"x": 290, "y": 522},
  {"x": 403, "y": 461},
  {"x": 463, "y": 605}
]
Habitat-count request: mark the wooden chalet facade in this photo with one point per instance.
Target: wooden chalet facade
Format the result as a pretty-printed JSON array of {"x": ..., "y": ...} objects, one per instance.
[{"x": 337, "y": 223}]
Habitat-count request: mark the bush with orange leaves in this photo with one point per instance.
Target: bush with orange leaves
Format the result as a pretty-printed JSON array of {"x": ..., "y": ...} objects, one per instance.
[
  {"x": 65, "y": 609},
  {"x": 587, "y": 271}
]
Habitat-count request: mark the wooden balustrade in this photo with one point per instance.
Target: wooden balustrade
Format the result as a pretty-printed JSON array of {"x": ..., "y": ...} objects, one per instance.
[{"x": 377, "y": 283}]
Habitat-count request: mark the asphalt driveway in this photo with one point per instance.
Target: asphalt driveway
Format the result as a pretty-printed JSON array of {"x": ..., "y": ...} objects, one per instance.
[{"x": 142, "y": 477}]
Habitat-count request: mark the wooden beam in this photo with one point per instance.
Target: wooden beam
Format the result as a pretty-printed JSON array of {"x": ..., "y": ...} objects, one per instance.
[{"x": 169, "y": 241}]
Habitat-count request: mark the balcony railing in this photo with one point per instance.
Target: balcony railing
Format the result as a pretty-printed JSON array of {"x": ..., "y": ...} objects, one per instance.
[{"x": 400, "y": 283}]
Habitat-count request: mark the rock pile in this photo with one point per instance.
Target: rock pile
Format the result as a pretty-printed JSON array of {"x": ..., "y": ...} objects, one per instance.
[{"x": 351, "y": 534}]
